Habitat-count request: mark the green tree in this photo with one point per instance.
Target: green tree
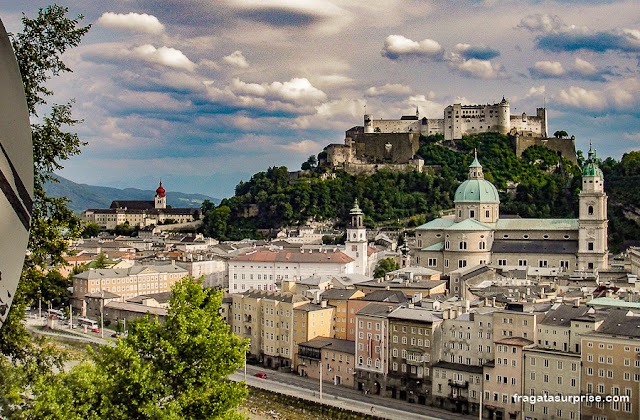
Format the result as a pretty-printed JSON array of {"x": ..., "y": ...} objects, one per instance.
[
  {"x": 100, "y": 261},
  {"x": 38, "y": 50},
  {"x": 384, "y": 266},
  {"x": 90, "y": 230},
  {"x": 176, "y": 370},
  {"x": 560, "y": 134}
]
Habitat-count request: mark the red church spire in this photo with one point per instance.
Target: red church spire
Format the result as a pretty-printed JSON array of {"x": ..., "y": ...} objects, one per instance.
[{"x": 160, "y": 191}]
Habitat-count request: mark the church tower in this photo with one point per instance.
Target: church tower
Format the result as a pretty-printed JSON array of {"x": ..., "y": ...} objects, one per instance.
[
  {"x": 356, "y": 241},
  {"x": 160, "y": 199},
  {"x": 593, "y": 251}
]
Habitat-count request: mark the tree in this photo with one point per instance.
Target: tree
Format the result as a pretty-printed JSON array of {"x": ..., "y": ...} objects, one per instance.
[
  {"x": 100, "y": 261},
  {"x": 384, "y": 266},
  {"x": 90, "y": 230},
  {"x": 560, "y": 134},
  {"x": 310, "y": 163},
  {"x": 175, "y": 370},
  {"x": 38, "y": 50}
]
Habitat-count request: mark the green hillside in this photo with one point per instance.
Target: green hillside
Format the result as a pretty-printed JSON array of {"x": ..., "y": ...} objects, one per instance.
[{"x": 546, "y": 187}]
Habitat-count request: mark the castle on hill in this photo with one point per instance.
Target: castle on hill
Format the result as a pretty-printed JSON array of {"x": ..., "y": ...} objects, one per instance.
[
  {"x": 394, "y": 143},
  {"x": 139, "y": 212}
]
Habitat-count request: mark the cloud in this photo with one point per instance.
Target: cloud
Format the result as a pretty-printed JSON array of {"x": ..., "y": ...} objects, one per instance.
[
  {"x": 579, "y": 70},
  {"x": 620, "y": 96},
  {"x": 478, "y": 52},
  {"x": 165, "y": 56},
  {"x": 480, "y": 69},
  {"x": 236, "y": 59},
  {"x": 398, "y": 47},
  {"x": 535, "y": 91},
  {"x": 559, "y": 37},
  {"x": 132, "y": 22},
  {"x": 543, "y": 69},
  {"x": 303, "y": 147},
  {"x": 542, "y": 23},
  {"x": 388, "y": 89},
  {"x": 296, "y": 90},
  {"x": 293, "y": 13}
]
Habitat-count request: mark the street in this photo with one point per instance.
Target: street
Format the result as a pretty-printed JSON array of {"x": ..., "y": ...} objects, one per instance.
[{"x": 343, "y": 397}]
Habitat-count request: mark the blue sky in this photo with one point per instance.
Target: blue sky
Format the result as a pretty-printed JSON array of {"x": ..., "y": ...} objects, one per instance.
[{"x": 205, "y": 93}]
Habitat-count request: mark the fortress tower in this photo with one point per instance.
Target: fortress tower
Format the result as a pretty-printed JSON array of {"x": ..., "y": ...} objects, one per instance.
[{"x": 593, "y": 251}]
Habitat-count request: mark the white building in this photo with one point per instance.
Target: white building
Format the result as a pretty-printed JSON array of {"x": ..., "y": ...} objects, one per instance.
[{"x": 263, "y": 270}]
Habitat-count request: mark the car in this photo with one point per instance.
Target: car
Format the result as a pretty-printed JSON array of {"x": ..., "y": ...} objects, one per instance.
[
  {"x": 95, "y": 330},
  {"x": 115, "y": 335},
  {"x": 261, "y": 375}
]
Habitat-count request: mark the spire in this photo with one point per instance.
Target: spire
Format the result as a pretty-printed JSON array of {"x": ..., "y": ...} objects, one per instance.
[
  {"x": 475, "y": 169},
  {"x": 160, "y": 191},
  {"x": 356, "y": 208}
]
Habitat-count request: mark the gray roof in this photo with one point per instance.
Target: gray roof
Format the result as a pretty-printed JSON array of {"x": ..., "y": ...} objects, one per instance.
[
  {"x": 279, "y": 296},
  {"x": 416, "y": 270},
  {"x": 338, "y": 294},
  {"x": 163, "y": 297},
  {"x": 103, "y": 294},
  {"x": 561, "y": 315},
  {"x": 620, "y": 322},
  {"x": 416, "y": 314},
  {"x": 378, "y": 310},
  {"x": 312, "y": 307},
  {"x": 334, "y": 344},
  {"x": 387, "y": 296},
  {"x": 534, "y": 246},
  {"x": 136, "y": 307},
  {"x": 537, "y": 224}
]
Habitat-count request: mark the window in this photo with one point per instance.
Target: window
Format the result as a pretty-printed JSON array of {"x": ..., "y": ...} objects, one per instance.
[
  {"x": 462, "y": 263},
  {"x": 462, "y": 245},
  {"x": 590, "y": 210},
  {"x": 590, "y": 246},
  {"x": 432, "y": 262},
  {"x": 502, "y": 262},
  {"x": 522, "y": 263},
  {"x": 472, "y": 214},
  {"x": 543, "y": 263}
]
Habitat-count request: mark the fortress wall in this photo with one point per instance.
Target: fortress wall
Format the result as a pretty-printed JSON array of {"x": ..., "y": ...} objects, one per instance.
[
  {"x": 374, "y": 146},
  {"x": 433, "y": 126},
  {"x": 368, "y": 168},
  {"x": 337, "y": 154},
  {"x": 527, "y": 124},
  {"x": 566, "y": 147},
  {"x": 397, "y": 126}
]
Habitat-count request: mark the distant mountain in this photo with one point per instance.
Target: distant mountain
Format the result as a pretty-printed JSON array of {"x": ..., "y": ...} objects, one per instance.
[{"x": 85, "y": 196}]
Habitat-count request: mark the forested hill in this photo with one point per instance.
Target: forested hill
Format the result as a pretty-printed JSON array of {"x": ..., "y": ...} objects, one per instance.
[{"x": 546, "y": 187}]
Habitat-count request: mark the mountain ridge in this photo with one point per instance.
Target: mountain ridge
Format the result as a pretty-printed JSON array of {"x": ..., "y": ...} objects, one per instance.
[{"x": 84, "y": 196}]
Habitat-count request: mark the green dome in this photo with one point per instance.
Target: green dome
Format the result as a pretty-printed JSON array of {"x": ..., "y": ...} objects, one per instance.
[
  {"x": 476, "y": 191},
  {"x": 591, "y": 169}
]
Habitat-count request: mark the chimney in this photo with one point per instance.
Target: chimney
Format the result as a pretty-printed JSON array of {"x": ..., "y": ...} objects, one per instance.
[
  {"x": 493, "y": 301},
  {"x": 323, "y": 304},
  {"x": 411, "y": 305}
]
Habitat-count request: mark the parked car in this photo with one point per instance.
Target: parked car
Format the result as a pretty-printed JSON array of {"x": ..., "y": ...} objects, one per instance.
[
  {"x": 261, "y": 375},
  {"x": 95, "y": 330}
]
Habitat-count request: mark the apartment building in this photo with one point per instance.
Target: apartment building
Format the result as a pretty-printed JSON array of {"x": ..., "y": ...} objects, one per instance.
[
  {"x": 551, "y": 373},
  {"x": 336, "y": 356},
  {"x": 372, "y": 347},
  {"x": 611, "y": 367},
  {"x": 412, "y": 333},
  {"x": 339, "y": 299},
  {"x": 310, "y": 321}
]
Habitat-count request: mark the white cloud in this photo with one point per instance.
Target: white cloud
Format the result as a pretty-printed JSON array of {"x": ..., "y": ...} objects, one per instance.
[
  {"x": 584, "y": 67},
  {"x": 426, "y": 106},
  {"x": 350, "y": 107},
  {"x": 296, "y": 90},
  {"x": 549, "y": 68},
  {"x": 535, "y": 91},
  {"x": 578, "y": 97},
  {"x": 388, "y": 89},
  {"x": 481, "y": 69},
  {"x": 166, "y": 56},
  {"x": 303, "y": 147},
  {"x": 542, "y": 23},
  {"x": 397, "y": 46},
  {"x": 333, "y": 80},
  {"x": 132, "y": 22},
  {"x": 236, "y": 59}
]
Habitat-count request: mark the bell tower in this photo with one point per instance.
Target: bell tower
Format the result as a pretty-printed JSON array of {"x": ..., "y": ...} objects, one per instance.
[
  {"x": 356, "y": 241},
  {"x": 593, "y": 251},
  {"x": 160, "y": 198}
]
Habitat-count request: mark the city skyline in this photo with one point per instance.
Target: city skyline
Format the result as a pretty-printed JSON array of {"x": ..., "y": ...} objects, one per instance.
[{"x": 204, "y": 95}]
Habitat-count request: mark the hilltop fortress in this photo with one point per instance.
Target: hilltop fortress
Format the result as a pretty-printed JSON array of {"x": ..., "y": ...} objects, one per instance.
[{"x": 394, "y": 143}]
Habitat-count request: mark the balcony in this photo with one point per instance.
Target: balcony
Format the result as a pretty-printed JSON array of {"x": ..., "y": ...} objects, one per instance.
[{"x": 458, "y": 384}]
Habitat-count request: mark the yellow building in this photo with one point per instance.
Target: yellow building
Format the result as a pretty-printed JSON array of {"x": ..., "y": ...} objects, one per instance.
[
  {"x": 310, "y": 321},
  {"x": 339, "y": 299}
]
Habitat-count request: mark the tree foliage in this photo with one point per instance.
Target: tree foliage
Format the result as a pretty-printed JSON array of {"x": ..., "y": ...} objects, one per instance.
[
  {"x": 38, "y": 49},
  {"x": 384, "y": 266},
  {"x": 176, "y": 370}
]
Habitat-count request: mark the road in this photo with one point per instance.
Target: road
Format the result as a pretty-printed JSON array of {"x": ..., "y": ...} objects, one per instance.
[{"x": 342, "y": 397}]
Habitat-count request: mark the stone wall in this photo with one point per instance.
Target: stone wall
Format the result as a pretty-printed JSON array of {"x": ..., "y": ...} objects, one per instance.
[
  {"x": 566, "y": 147},
  {"x": 386, "y": 147}
]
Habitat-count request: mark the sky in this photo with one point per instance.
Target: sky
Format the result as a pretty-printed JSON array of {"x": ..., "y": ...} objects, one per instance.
[{"x": 203, "y": 94}]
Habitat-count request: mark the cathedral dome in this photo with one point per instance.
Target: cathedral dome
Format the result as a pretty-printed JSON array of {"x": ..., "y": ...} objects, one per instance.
[{"x": 476, "y": 191}]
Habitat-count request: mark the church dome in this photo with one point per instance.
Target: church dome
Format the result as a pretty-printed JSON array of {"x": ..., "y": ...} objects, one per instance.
[{"x": 476, "y": 191}]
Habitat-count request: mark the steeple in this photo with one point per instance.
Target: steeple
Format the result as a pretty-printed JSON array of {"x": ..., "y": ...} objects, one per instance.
[
  {"x": 160, "y": 198},
  {"x": 475, "y": 169}
]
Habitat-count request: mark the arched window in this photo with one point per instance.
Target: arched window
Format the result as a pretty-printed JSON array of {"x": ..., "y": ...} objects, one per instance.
[{"x": 590, "y": 210}]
